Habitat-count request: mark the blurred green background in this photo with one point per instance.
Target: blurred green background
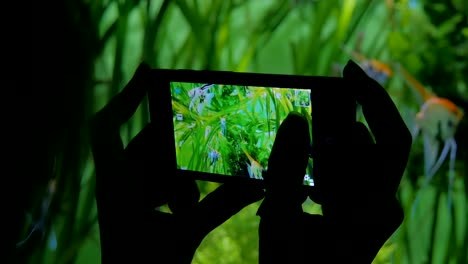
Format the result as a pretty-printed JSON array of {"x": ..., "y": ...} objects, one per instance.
[{"x": 94, "y": 48}]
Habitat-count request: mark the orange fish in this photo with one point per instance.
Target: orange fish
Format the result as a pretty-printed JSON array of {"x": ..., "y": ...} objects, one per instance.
[{"x": 437, "y": 121}]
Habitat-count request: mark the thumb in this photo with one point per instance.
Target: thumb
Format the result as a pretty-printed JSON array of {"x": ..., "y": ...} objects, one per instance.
[
  {"x": 287, "y": 167},
  {"x": 289, "y": 155}
]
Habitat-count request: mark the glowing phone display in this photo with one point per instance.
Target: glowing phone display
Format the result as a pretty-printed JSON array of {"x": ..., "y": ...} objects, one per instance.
[{"x": 229, "y": 130}]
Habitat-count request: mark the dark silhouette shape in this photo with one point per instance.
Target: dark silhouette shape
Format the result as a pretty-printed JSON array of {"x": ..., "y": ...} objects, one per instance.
[
  {"x": 358, "y": 197},
  {"x": 132, "y": 181}
]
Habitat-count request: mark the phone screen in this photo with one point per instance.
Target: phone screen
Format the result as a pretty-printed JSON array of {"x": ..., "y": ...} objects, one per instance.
[{"x": 229, "y": 130}]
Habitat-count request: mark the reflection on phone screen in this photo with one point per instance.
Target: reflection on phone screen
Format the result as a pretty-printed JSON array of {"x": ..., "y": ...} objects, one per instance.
[{"x": 230, "y": 129}]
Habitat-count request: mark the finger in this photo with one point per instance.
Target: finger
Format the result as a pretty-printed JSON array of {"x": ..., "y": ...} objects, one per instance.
[
  {"x": 222, "y": 203},
  {"x": 148, "y": 155},
  {"x": 290, "y": 153},
  {"x": 149, "y": 151},
  {"x": 145, "y": 140},
  {"x": 146, "y": 159},
  {"x": 379, "y": 110},
  {"x": 340, "y": 186},
  {"x": 392, "y": 136},
  {"x": 287, "y": 167},
  {"x": 363, "y": 160},
  {"x": 123, "y": 105}
]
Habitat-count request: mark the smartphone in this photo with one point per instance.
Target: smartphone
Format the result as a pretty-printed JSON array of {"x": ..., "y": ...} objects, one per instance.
[{"x": 222, "y": 125}]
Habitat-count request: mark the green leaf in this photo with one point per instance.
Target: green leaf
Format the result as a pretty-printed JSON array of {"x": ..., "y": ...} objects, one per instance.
[
  {"x": 397, "y": 43},
  {"x": 465, "y": 32},
  {"x": 449, "y": 25},
  {"x": 345, "y": 18}
]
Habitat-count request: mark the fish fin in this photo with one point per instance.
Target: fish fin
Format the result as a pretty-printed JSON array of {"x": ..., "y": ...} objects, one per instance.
[
  {"x": 453, "y": 156},
  {"x": 442, "y": 157},
  {"x": 422, "y": 92},
  {"x": 249, "y": 170},
  {"x": 431, "y": 149}
]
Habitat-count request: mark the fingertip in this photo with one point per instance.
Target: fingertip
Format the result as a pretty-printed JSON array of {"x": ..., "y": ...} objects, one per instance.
[
  {"x": 354, "y": 73},
  {"x": 353, "y": 70},
  {"x": 143, "y": 67},
  {"x": 141, "y": 72},
  {"x": 292, "y": 145},
  {"x": 366, "y": 91},
  {"x": 295, "y": 114},
  {"x": 294, "y": 127}
]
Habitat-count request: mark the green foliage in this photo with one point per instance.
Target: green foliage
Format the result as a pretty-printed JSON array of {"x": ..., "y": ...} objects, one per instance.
[
  {"x": 228, "y": 129},
  {"x": 302, "y": 37}
]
